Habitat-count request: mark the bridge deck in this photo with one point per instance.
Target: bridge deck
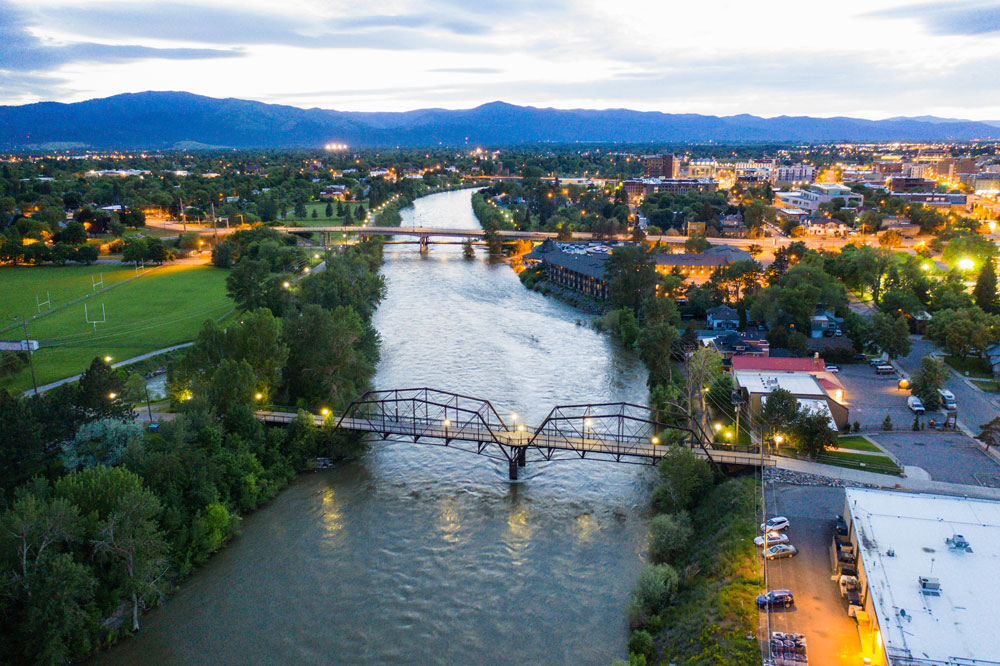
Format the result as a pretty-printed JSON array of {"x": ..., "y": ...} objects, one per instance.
[{"x": 546, "y": 440}]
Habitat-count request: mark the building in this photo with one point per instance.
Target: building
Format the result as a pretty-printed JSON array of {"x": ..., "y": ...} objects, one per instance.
[
  {"x": 810, "y": 392},
  {"x": 811, "y": 197},
  {"x": 723, "y": 317},
  {"x": 993, "y": 358},
  {"x": 733, "y": 344},
  {"x": 910, "y": 184},
  {"x": 702, "y": 168},
  {"x": 987, "y": 184},
  {"x": 927, "y": 576},
  {"x": 659, "y": 166},
  {"x": 796, "y": 173},
  {"x": 949, "y": 200},
  {"x": 638, "y": 188},
  {"x": 821, "y": 226},
  {"x": 814, "y": 367},
  {"x": 578, "y": 270}
]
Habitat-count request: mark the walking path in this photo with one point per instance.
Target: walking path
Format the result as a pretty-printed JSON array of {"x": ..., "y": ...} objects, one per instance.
[{"x": 128, "y": 361}]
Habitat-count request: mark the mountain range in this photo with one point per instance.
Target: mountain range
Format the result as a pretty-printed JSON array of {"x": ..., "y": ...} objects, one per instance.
[{"x": 163, "y": 120}]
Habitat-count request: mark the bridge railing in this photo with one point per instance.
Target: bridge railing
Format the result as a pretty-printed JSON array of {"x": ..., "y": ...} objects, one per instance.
[{"x": 427, "y": 412}]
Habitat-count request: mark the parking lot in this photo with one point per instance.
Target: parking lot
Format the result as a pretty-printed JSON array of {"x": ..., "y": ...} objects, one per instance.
[
  {"x": 945, "y": 455},
  {"x": 819, "y": 611},
  {"x": 870, "y": 397}
]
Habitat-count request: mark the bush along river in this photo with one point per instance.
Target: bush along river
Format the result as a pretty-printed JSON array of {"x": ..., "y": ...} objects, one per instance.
[{"x": 418, "y": 554}]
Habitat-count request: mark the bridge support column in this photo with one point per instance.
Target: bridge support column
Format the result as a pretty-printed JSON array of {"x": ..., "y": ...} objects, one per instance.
[
  {"x": 522, "y": 456},
  {"x": 424, "y": 243},
  {"x": 512, "y": 469}
]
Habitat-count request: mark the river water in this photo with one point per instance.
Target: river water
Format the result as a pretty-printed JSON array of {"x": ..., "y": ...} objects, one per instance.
[{"x": 423, "y": 555}]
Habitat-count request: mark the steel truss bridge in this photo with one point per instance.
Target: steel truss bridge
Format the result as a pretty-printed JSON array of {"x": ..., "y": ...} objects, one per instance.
[{"x": 615, "y": 432}]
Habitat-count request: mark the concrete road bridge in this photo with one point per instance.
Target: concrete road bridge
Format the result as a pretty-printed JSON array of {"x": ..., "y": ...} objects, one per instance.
[{"x": 614, "y": 432}]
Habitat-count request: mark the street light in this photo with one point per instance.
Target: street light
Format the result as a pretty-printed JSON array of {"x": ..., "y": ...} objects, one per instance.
[
  {"x": 286, "y": 284},
  {"x": 259, "y": 397},
  {"x": 107, "y": 359},
  {"x": 112, "y": 395},
  {"x": 966, "y": 264},
  {"x": 778, "y": 439},
  {"x": 325, "y": 412},
  {"x": 654, "y": 440}
]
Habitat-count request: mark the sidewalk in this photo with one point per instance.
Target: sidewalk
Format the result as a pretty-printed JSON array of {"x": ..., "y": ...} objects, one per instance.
[
  {"x": 884, "y": 480},
  {"x": 128, "y": 361}
]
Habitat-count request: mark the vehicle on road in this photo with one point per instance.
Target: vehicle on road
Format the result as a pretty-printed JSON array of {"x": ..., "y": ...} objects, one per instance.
[
  {"x": 782, "y": 598},
  {"x": 832, "y": 368},
  {"x": 948, "y": 400},
  {"x": 775, "y": 524},
  {"x": 780, "y": 551},
  {"x": 913, "y": 402},
  {"x": 773, "y": 538}
]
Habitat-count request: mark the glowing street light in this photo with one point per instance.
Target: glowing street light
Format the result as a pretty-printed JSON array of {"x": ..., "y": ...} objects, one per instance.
[
  {"x": 654, "y": 440},
  {"x": 925, "y": 266},
  {"x": 286, "y": 284},
  {"x": 112, "y": 395},
  {"x": 778, "y": 439},
  {"x": 107, "y": 359},
  {"x": 717, "y": 426},
  {"x": 324, "y": 411},
  {"x": 259, "y": 396},
  {"x": 966, "y": 264}
]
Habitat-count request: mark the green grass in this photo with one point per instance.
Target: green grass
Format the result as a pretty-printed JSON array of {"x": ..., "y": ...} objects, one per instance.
[
  {"x": 164, "y": 308},
  {"x": 975, "y": 366},
  {"x": 990, "y": 385},
  {"x": 857, "y": 444},
  {"x": 19, "y": 285},
  {"x": 860, "y": 461},
  {"x": 321, "y": 220}
]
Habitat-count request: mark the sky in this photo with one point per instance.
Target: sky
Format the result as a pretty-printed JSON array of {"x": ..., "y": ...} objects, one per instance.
[{"x": 862, "y": 58}]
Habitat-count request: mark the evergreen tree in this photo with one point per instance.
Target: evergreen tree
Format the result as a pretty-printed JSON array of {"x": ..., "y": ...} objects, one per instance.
[
  {"x": 329, "y": 210},
  {"x": 985, "y": 291}
]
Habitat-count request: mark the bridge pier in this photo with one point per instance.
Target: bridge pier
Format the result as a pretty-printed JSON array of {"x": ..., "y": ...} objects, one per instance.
[
  {"x": 522, "y": 456},
  {"x": 424, "y": 243},
  {"x": 512, "y": 469}
]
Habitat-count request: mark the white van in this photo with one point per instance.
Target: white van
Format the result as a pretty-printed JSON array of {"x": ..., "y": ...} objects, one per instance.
[{"x": 947, "y": 400}]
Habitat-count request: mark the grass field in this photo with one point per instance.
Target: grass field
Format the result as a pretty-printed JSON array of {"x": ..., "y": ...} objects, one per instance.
[
  {"x": 975, "y": 366},
  {"x": 990, "y": 385},
  {"x": 860, "y": 461},
  {"x": 19, "y": 285},
  {"x": 856, "y": 443},
  {"x": 163, "y": 308},
  {"x": 321, "y": 220}
]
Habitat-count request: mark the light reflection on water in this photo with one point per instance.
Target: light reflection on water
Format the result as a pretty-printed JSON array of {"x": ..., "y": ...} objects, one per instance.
[{"x": 423, "y": 555}]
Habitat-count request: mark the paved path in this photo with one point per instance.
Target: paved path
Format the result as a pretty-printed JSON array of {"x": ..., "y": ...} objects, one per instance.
[{"x": 128, "y": 361}]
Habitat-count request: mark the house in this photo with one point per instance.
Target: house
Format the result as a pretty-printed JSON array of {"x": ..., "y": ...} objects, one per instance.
[
  {"x": 733, "y": 344},
  {"x": 993, "y": 358},
  {"x": 819, "y": 226},
  {"x": 723, "y": 317}
]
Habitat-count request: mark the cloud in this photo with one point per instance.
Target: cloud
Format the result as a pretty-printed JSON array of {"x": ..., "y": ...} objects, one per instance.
[
  {"x": 466, "y": 70},
  {"x": 22, "y": 51},
  {"x": 960, "y": 17}
]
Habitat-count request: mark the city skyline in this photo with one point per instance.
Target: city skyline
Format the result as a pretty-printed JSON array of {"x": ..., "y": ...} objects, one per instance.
[{"x": 868, "y": 60}]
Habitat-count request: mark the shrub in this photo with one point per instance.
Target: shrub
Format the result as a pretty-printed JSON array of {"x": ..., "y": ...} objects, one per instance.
[
  {"x": 669, "y": 535},
  {"x": 857, "y": 426},
  {"x": 654, "y": 592},
  {"x": 887, "y": 423},
  {"x": 685, "y": 477},
  {"x": 641, "y": 643}
]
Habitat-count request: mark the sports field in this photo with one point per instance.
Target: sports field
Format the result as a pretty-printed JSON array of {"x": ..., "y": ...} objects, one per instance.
[
  {"x": 20, "y": 285},
  {"x": 162, "y": 308}
]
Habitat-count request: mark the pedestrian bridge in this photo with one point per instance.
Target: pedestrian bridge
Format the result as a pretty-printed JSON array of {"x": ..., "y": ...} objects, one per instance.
[{"x": 615, "y": 432}]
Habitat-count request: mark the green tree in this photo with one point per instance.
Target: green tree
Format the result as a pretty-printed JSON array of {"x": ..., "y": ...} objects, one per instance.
[
  {"x": 891, "y": 334},
  {"x": 101, "y": 392},
  {"x": 812, "y": 433},
  {"x": 985, "y": 291},
  {"x": 696, "y": 243},
  {"x": 224, "y": 254},
  {"x": 927, "y": 380},
  {"x": 779, "y": 411},
  {"x": 300, "y": 209},
  {"x": 669, "y": 535},
  {"x": 654, "y": 345},
  {"x": 328, "y": 211},
  {"x": 683, "y": 478},
  {"x": 631, "y": 276}
]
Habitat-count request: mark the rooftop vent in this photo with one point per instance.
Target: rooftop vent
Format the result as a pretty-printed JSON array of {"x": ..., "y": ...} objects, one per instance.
[
  {"x": 958, "y": 542},
  {"x": 929, "y": 585}
]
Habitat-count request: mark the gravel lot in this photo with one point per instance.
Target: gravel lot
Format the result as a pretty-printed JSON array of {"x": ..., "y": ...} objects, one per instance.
[{"x": 819, "y": 611}]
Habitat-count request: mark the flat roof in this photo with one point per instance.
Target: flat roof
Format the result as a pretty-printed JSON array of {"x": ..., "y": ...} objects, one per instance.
[
  {"x": 796, "y": 383},
  {"x": 901, "y": 537}
]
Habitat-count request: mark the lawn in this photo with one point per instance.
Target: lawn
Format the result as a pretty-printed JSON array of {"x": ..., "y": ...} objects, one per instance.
[
  {"x": 856, "y": 443},
  {"x": 990, "y": 385},
  {"x": 972, "y": 366},
  {"x": 860, "y": 461},
  {"x": 163, "y": 308},
  {"x": 321, "y": 220},
  {"x": 19, "y": 285}
]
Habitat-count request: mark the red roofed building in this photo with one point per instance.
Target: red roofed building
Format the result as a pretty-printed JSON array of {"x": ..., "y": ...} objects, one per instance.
[{"x": 814, "y": 366}]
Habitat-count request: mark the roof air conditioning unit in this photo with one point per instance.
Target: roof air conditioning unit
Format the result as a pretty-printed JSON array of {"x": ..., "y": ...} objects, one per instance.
[{"x": 929, "y": 585}]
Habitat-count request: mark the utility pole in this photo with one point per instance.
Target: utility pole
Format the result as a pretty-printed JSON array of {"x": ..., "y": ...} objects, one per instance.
[
  {"x": 215, "y": 227},
  {"x": 31, "y": 356},
  {"x": 183, "y": 218}
]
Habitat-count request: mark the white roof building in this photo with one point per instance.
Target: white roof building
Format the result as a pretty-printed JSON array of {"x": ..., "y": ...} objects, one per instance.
[{"x": 929, "y": 566}]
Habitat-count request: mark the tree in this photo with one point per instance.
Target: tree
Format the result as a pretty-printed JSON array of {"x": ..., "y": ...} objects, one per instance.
[
  {"x": 891, "y": 334},
  {"x": 990, "y": 434},
  {"x": 631, "y": 276},
  {"x": 696, "y": 243},
  {"x": 73, "y": 234},
  {"x": 224, "y": 254},
  {"x": 811, "y": 433},
  {"x": 359, "y": 214},
  {"x": 985, "y": 291},
  {"x": 132, "y": 217},
  {"x": 684, "y": 478},
  {"x": 961, "y": 330},
  {"x": 928, "y": 379},
  {"x": 669, "y": 535},
  {"x": 779, "y": 411},
  {"x": 300, "y": 209},
  {"x": 755, "y": 250},
  {"x": 156, "y": 251},
  {"x": 86, "y": 254},
  {"x": 654, "y": 344},
  {"x": 101, "y": 392},
  {"x": 328, "y": 211},
  {"x": 890, "y": 239}
]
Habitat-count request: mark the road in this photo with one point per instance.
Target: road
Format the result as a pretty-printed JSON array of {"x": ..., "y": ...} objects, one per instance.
[{"x": 974, "y": 407}]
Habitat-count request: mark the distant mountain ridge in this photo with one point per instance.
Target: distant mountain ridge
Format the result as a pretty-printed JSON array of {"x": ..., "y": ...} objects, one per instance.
[{"x": 161, "y": 120}]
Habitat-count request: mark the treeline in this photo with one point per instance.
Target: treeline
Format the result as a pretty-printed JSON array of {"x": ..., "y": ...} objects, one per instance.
[
  {"x": 492, "y": 220},
  {"x": 101, "y": 517}
]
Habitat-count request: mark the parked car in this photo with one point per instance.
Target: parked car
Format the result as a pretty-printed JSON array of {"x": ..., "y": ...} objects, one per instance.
[
  {"x": 832, "y": 368},
  {"x": 773, "y": 538},
  {"x": 875, "y": 361},
  {"x": 774, "y": 598},
  {"x": 884, "y": 369},
  {"x": 913, "y": 402},
  {"x": 839, "y": 333},
  {"x": 779, "y": 551},
  {"x": 775, "y": 524},
  {"x": 948, "y": 400}
]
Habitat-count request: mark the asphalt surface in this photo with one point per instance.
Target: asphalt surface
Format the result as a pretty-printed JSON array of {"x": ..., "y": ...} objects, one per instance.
[
  {"x": 819, "y": 611},
  {"x": 871, "y": 397},
  {"x": 947, "y": 456}
]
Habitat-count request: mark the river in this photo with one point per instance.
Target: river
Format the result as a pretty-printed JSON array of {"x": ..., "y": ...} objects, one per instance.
[{"x": 423, "y": 555}]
